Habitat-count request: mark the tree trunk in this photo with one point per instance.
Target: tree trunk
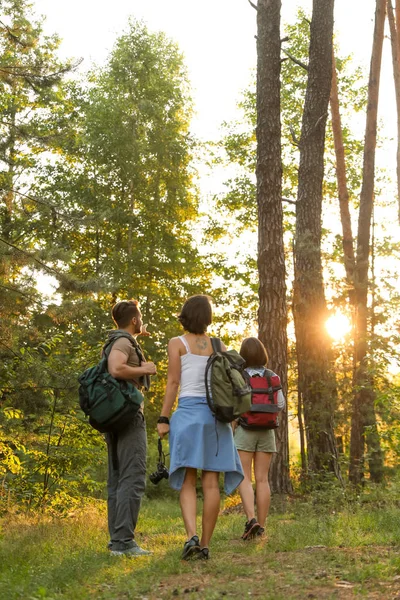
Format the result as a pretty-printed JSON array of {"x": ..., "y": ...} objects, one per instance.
[
  {"x": 363, "y": 422},
  {"x": 347, "y": 238},
  {"x": 302, "y": 437},
  {"x": 316, "y": 378},
  {"x": 395, "y": 42},
  {"x": 272, "y": 314}
]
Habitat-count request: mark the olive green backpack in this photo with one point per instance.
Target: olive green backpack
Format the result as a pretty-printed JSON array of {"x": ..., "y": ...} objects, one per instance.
[{"x": 228, "y": 393}]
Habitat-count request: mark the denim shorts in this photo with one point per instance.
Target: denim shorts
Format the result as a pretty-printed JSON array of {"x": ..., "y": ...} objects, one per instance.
[{"x": 262, "y": 440}]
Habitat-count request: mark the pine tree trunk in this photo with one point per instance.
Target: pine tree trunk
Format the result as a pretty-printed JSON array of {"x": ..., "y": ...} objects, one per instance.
[
  {"x": 316, "y": 379},
  {"x": 345, "y": 218},
  {"x": 395, "y": 42},
  {"x": 272, "y": 315},
  {"x": 363, "y": 422}
]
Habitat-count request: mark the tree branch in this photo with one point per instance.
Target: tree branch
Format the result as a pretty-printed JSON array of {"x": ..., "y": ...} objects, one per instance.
[
  {"x": 16, "y": 291},
  {"x": 9, "y": 349},
  {"x": 296, "y": 60},
  {"x": 253, "y": 5},
  {"x": 294, "y": 136},
  {"x": 12, "y": 35},
  {"x": 53, "y": 207},
  {"x": 33, "y": 258}
]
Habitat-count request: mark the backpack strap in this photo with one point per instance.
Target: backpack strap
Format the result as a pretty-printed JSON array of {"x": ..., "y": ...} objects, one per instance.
[
  {"x": 216, "y": 345},
  {"x": 108, "y": 347},
  {"x": 109, "y": 344},
  {"x": 268, "y": 374},
  {"x": 270, "y": 389}
]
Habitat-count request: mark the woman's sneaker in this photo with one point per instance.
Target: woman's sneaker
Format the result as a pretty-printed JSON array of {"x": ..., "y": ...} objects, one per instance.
[
  {"x": 251, "y": 529},
  {"x": 204, "y": 554},
  {"x": 191, "y": 548},
  {"x": 261, "y": 532}
]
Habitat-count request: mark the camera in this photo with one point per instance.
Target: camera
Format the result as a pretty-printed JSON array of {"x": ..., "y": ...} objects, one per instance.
[{"x": 161, "y": 472}]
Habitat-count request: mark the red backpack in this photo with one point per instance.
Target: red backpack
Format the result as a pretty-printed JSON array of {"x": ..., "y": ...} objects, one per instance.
[{"x": 264, "y": 402}]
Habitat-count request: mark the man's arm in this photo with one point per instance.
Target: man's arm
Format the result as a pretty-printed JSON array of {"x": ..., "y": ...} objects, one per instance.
[{"x": 118, "y": 367}]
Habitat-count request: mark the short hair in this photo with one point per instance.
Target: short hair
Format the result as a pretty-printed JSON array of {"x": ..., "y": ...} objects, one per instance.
[
  {"x": 196, "y": 314},
  {"x": 254, "y": 353},
  {"x": 123, "y": 312}
]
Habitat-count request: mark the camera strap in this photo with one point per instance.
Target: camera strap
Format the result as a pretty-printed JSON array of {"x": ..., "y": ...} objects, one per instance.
[{"x": 161, "y": 455}]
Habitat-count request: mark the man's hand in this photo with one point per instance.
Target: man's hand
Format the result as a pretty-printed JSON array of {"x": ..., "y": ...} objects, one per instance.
[
  {"x": 149, "y": 368},
  {"x": 143, "y": 331}
]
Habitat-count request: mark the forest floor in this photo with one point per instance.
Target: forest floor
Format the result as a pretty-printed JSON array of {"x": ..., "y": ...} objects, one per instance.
[{"x": 313, "y": 550}]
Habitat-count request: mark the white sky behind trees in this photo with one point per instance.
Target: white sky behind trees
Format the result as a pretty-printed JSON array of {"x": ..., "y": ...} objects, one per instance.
[{"x": 217, "y": 38}]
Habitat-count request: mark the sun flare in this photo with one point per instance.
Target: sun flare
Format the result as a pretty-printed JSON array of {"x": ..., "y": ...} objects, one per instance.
[{"x": 338, "y": 326}]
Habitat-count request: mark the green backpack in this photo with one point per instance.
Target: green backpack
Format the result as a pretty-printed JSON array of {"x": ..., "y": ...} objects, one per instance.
[
  {"x": 109, "y": 403},
  {"x": 228, "y": 393}
]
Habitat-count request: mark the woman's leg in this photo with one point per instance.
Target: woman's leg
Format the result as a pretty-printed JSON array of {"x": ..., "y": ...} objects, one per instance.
[
  {"x": 262, "y": 462},
  {"x": 211, "y": 505},
  {"x": 246, "y": 488},
  {"x": 188, "y": 502}
]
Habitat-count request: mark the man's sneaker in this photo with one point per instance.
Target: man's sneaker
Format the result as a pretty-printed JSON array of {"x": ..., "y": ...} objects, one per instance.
[
  {"x": 251, "y": 529},
  {"x": 191, "y": 548},
  {"x": 260, "y": 532},
  {"x": 133, "y": 551},
  {"x": 204, "y": 554}
]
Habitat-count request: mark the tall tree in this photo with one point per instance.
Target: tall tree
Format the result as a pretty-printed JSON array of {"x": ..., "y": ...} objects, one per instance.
[
  {"x": 363, "y": 427},
  {"x": 31, "y": 93},
  {"x": 272, "y": 312},
  {"x": 343, "y": 192},
  {"x": 127, "y": 184},
  {"x": 316, "y": 379},
  {"x": 394, "y": 24}
]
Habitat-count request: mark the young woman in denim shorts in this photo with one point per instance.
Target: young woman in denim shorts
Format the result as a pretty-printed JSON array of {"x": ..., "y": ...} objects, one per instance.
[{"x": 255, "y": 449}]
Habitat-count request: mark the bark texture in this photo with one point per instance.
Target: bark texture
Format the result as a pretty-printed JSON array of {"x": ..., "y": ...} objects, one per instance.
[
  {"x": 394, "y": 24},
  {"x": 363, "y": 422},
  {"x": 272, "y": 315},
  {"x": 347, "y": 237},
  {"x": 316, "y": 379}
]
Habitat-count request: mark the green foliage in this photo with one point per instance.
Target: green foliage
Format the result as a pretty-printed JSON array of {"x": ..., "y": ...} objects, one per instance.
[{"x": 98, "y": 192}]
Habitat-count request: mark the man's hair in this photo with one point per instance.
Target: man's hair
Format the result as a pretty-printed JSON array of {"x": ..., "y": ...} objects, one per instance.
[
  {"x": 196, "y": 314},
  {"x": 123, "y": 312},
  {"x": 254, "y": 353}
]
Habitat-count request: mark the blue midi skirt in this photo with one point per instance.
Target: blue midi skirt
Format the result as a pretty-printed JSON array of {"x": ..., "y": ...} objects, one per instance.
[{"x": 199, "y": 441}]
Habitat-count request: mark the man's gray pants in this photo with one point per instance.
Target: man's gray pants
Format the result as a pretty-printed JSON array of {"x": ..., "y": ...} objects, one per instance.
[{"x": 126, "y": 481}]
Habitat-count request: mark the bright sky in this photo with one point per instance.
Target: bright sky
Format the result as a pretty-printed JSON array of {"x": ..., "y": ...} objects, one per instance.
[{"x": 216, "y": 37}]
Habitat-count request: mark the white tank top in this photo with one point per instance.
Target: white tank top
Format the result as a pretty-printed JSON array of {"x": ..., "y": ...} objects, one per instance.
[{"x": 193, "y": 368}]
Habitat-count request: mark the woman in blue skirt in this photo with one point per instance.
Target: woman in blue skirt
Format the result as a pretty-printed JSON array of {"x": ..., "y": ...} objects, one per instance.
[{"x": 196, "y": 439}]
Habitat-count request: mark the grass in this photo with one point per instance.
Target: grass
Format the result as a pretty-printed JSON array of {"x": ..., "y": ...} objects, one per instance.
[{"x": 312, "y": 551}]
